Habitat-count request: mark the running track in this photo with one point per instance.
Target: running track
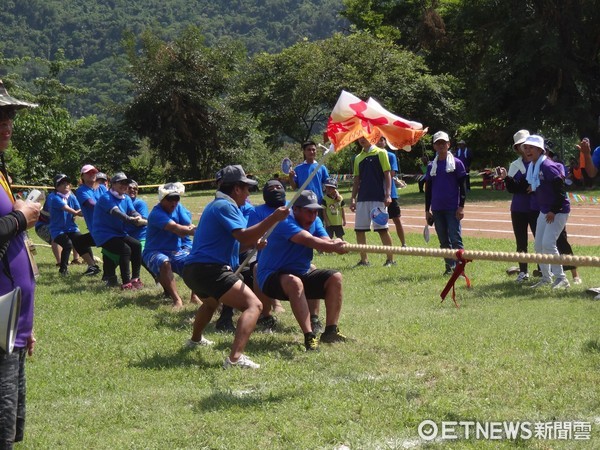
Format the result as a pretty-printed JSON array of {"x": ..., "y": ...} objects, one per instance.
[{"x": 492, "y": 220}]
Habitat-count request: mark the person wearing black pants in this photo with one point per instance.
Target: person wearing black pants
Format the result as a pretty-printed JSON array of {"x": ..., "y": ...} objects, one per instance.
[{"x": 130, "y": 252}]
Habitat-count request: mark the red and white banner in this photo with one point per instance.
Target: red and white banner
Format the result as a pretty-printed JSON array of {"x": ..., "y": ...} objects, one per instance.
[{"x": 352, "y": 118}]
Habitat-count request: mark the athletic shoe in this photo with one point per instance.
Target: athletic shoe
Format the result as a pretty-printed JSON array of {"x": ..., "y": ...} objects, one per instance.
[
  {"x": 226, "y": 326},
  {"x": 363, "y": 264},
  {"x": 561, "y": 283},
  {"x": 448, "y": 271},
  {"x": 316, "y": 325},
  {"x": 389, "y": 263},
  {"x": 137, "y": 283},
  {"x": 332, "y": 337},
  {"x": 244, "y": 362},
  {"x": 111, "y": 281},
  {"x": 577, "y": 280},
  {"x": 92, "y": 270},
  {"x": 523, "y": 276},
  {"x": 63, "y": 273},
  {"x": 267, "y": 324},
  {"x": 512, "y": 270},
  {"x": 537, "y": 273},
  {"x": 311, "y": 343},
  {"x": 544, "y": 282},
  {"x": 203, "y": 342},
  {"x": 127, "y": 287}
]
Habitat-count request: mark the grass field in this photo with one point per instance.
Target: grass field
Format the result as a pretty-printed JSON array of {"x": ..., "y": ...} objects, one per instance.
[{"x": 110, "y": 371}]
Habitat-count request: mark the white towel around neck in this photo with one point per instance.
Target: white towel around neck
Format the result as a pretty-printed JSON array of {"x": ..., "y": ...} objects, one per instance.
[
  {"x": 450, "y": 164},
  {"x": 517, "y": 166}
]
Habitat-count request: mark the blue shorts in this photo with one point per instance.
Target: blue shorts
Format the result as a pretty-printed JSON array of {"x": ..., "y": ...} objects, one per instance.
[{"x": 154, "y": 260}]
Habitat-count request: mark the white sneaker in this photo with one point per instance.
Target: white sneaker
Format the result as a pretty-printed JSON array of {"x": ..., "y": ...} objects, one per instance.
[
  {"x": 544, "y": 282},
  {"x": 203, "y": 342},
  {"x": 523, "y": 276},
  {"x": 577, "y": 280},
  {"x": 244, "y": 362},
  {"x": 561, "y": 283}
]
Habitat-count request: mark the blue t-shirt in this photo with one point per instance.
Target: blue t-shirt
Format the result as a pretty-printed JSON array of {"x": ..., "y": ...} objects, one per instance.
[
  {"x": 107, "y": 226},
  {"x": 138, "y": 232},
  {"x": 281, "y": 254},
  {"x": 157, "y": 238},
  {"x": 394, "y": 166},
  {"x": 88, "y": 198},
  {"x": 215, "y": 243},
  {"x": 445, "y": 193},
  {"x": 186, "y": 219},
  {"x": 316, "y": 184},
  {"x": 596, "y": 157},
  {"x": 62, "y": 221}
]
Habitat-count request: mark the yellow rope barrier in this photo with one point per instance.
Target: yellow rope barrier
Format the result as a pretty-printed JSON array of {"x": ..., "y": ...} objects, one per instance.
[{"x": 570, "y": 260}]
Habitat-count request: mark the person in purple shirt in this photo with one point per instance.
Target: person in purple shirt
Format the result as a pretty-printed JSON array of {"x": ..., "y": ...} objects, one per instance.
[
  {"x": 521, "y": 214},
  {"x": 445, "y": 194},
  {"x": 546, "y": 180},
  {"x": 16, "y": 216}
]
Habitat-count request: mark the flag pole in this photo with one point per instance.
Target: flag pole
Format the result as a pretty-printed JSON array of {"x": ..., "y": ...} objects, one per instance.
[{"x": 252, "y": 252}]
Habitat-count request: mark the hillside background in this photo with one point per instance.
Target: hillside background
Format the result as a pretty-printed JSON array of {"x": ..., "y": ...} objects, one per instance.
[{"x": 92, "y": 30}]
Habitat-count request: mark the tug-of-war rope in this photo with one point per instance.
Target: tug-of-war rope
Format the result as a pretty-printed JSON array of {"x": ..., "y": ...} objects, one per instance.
[{"x": 464, "y": 256}]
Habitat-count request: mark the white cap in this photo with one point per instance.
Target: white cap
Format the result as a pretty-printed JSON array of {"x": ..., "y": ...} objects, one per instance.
[
  {"x": 441, "y": 135},
  {"x": 168, "y": 189},
  {"x": 535, "y": 141}
]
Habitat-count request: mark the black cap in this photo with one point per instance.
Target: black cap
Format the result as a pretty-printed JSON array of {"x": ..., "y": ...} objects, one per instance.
[
  {"x": 308, "y": 199},
  {"x": 58, "y": 179},
  {"x": 235, "y": 174},
  {"x": 118, "y": 177}
]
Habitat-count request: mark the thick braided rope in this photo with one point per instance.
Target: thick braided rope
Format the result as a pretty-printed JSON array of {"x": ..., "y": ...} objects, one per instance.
[{"x": 570, "y": 260}]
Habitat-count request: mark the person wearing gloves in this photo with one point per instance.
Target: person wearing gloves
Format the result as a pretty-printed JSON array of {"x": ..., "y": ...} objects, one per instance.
[{"x": 112, "y": 212}]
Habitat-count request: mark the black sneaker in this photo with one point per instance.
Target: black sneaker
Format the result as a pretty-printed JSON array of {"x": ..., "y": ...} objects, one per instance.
[
  {"x": 92, "y": 270},
  {"x": 111, "y": 281},
  {"x": 316, "y": 325},
  {"x": 311, "y": 343},
  {"x": 226, "y": 326},
  {"x": 63, "y": 273},
  {"x": 332, "y": 337},
  {"x": 267, "y": 324}
]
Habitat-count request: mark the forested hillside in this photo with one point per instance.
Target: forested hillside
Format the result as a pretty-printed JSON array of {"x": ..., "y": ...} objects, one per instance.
[{"x": 92, "y": 30}]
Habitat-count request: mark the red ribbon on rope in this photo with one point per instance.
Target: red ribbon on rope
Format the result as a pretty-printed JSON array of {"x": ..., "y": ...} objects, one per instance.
[{"x": 459, "y": 270}]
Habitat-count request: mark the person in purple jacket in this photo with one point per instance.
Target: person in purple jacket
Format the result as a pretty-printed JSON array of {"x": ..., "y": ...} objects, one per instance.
[
  {"x": 16, "y": 216},
  {"x": 521, "y": 214},
  {"x": 546, "y": 180},
  {"x": 445, "y": 194}
]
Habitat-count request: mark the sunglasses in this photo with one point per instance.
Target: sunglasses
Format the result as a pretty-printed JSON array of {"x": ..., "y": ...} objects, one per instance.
[{"x": 8, "y": 113}]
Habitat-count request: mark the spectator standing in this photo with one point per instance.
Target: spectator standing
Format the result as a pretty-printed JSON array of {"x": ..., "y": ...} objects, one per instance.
[
  {"x": 16, "y": 216},
  {"x": 464, "y": 154},
  {"x": 300, "y": 173},
  {"x": 445, "y": 195},
  {"x": 371, "y": 189},
  {"x": 333, "y": 213},
  {"x": 546, "y": 180}
]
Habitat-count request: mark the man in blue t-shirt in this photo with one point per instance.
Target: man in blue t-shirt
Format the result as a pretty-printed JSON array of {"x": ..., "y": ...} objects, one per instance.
[
  {"x": 209, "y": 269},
  {"x": 371, "y": 189},
  {"x": 445, "y": 194},
  {"x": 284, "y": 269},
  {"x": 300, "y": 173},
  {"x": 166, "y": 240}
]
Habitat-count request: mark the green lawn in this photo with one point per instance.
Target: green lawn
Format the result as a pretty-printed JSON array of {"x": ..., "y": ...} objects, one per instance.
[{"x": 110, "y": 371}]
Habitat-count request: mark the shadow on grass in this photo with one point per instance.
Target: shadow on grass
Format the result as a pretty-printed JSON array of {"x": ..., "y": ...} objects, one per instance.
[
  {"x": 592, "y": 346},
  {"x": 226, "y": 399},
  {"x": 184, "y": 357}
]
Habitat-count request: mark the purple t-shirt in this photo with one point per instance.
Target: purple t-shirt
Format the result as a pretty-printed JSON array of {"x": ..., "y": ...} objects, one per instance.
[
  {"x": 520, "y": 202},
  {"x": 20, "y": 269},
  {"x": 545, "y": 194},
  {"x": 445, "y": 194}
]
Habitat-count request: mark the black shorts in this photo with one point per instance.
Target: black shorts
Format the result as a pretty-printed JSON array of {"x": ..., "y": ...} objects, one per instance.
[
  {"x": 394, "y": 209},
  {"x": 335, "y": 230},
  {"x": 313, "y": 281},
  {"x": 209, "y": 280}
]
